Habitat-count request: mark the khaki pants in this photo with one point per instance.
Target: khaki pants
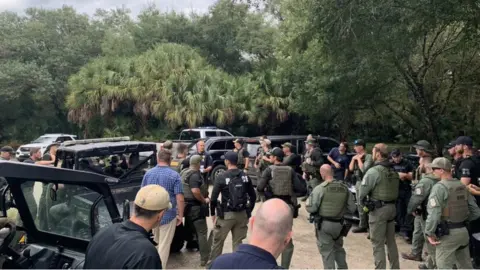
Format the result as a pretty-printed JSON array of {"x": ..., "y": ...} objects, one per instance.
[{"x": 163, "y": 235}]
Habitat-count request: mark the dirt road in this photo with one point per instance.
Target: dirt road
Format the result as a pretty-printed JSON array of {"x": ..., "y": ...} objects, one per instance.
[{"x": 306, "y": 254}]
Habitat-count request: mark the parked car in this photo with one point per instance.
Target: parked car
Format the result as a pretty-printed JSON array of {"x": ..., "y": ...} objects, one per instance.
[
  {"x": 42, "y": 142},
  {"x": 202, "y": 133}
]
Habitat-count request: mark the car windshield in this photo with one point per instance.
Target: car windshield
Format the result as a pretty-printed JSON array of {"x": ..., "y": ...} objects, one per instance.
[
  {"x": 189, "y": 135},
  {"x": 44, "y": 139},
  {"x": 63, "y": 209}
]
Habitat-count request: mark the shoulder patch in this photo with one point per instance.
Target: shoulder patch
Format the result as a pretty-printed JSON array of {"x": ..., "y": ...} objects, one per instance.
[
  {"x": 227, "y": 180},
  {"x": 418, "y": 191},
  {"x": 433, "y": 202}
]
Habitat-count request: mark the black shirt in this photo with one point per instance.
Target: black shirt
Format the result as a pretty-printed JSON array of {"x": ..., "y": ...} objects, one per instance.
[
  {"x": 293, "y": 161},
  {"x": 403, "y": 167},
  {"x": 123, "y": 245},
  {"x": 221, "y": 187},
  {"x": 469, "y": 169},
  {"x": 246, "y": 257}
]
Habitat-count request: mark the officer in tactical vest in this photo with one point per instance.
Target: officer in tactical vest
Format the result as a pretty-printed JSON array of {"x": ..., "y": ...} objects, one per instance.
[
  {"x": 360, "y": 163},
  {"x": 424, "y": 151},
  {"x": 313, "y": 159},
  {"x": 243, "y": 155},
  {"x": 196, "y": 205},
  {"x": 450, "y": 207},
  {"x": 327, "y": 204},
  {"x": 262, "y": 161},
  {"x": 233, "y": 212},
  {"x": 418, "y": 207},
  {"x": 178, "y": 163},
  {"x": 280, "y": 181},
  {"x": 378, "y": 194}
]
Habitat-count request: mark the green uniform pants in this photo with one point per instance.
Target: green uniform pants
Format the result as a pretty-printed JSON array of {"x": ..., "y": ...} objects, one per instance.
[
  {"x": 382, "y": 232},
  {"x": 287, "y": 255},
  {"x": 453, "y": 250},
  {"x": 196, "y": 222},
  {"x": 363, "y": 224},
  {"x": 235, "y": 222},
  {"x": 330, "y": 245},
  {"x": 418, "y": 237},
  {"x": 314, "y": 182},
  {"x": 430, "y": 260}
]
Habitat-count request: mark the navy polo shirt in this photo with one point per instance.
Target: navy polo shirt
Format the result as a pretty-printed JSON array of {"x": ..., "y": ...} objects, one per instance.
[{"x": 246, "y": 257}]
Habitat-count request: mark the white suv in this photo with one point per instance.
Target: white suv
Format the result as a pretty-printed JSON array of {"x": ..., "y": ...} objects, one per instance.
[
  {"x": 203, "y": 132},
  {"x": 42, "y": 142}
]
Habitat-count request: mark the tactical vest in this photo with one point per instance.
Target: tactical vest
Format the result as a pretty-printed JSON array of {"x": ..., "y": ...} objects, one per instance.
[
  {"x": 187, "y": 191},
  {"x": 241, "y": 158},
  {"x": 334, "y": 200},
  {"x": 456, "y": 209},
  {"x": 387, "y": 188},
  {"x": 281, "y": 182},
  {"x": 263, "y": 164},
  {"x": 176, "y": 164}
]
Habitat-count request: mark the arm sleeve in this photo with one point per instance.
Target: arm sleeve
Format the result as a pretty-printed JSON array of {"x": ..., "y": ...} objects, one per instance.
[
  {"x": 262, "y": 182},
  {"x": 434, "y": 209},
  {"x": 317, "y": 158},
  {"x": 418, "y": 196},
  {"x": 466, "y": 168},
  {"x": 299, "y": 186},
  {"x": 245, "y": 153},
  {"x": 312, "y": 205},
  {"x": 178, "y": 187},
  {"x": 195, "y": 181},
  {"x": 368, "y": 183},
  {"x": 351, "y": 206},
  {"x": 367, "y": 164},
  {"x": 208, "y": 160}
]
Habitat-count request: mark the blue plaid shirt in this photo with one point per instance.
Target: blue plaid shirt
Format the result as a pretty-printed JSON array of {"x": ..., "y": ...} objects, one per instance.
[{"x": 170, "y": 180}]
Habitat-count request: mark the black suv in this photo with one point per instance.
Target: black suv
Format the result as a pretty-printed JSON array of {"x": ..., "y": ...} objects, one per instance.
[{"x": 54, "y": 239}]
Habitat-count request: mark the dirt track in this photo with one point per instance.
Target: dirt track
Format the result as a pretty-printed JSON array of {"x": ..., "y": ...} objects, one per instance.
[{"x": 306, "y": 254}]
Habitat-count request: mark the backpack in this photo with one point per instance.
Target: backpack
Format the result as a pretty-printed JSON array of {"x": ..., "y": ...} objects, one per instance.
[{"x": 237, "y": 188}]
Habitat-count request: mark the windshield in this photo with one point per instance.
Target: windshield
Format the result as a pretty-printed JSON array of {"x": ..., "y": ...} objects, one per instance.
[
  {"x": 43, "y": 139},
  {"x": 63, "y": 209},
  {"x": 189, "y": 135}
]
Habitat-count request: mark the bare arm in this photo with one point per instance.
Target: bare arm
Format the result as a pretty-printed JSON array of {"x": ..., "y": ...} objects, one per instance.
[{"x": 180, "y": 204}]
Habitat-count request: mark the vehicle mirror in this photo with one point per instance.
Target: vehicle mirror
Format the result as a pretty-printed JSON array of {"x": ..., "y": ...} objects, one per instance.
[{"x": 126, "y": 210}]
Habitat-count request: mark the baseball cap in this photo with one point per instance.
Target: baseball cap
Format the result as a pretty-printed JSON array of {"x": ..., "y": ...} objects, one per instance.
[
  {"x": 277, "y": 152},
  {"x": 396, "y": 152},
  {"x": 312, "y": 141},
  {"x": 240, "y": 141},
  {"x": 465, "y": 140},
  {"x": 359, "y": 142},
  {"x": 153, "y": 198},
  {"x": 7, "y": 149},
  {"x": 423, "y": 145},
  {"x": 441, "y": 163},
  {"x": 450, "y": 145},
  {"x": 287, "y": 144},
  {"x": 195, "y": 160},
  {"x": 168, "y": 144},
  {"x": 231, "y": 156}
]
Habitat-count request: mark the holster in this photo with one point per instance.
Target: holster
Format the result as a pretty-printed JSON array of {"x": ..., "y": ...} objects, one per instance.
[
  {"x": 346, "y": 226},
  {"x": 205, "y": 210},
  {"x": 442, "y": 229},
  {"x": 220, "y": 212},
  {"x": 318, "y": 222}
]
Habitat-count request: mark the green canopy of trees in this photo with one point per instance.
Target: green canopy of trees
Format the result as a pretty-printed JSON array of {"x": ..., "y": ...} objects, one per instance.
[{"x": 386, "y": 70}]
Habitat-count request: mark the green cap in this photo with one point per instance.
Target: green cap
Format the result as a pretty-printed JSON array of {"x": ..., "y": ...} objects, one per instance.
[{"x": 441, "y": 163}]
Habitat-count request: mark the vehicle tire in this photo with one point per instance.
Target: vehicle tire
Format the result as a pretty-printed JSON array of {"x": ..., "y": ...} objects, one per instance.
[
  {"x": 216, "y": 171},
  {"x": 178, "y": 239}
]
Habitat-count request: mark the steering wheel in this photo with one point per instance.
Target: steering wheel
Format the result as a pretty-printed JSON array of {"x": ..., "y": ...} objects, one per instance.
[{"x": 7, "y": 233}]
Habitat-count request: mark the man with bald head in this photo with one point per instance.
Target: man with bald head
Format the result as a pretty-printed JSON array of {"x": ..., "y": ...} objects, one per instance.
[
  {"x": 378, "y": 195},
  {"x": 327, "y": 204},
  {"x": 271, "y": 231}
]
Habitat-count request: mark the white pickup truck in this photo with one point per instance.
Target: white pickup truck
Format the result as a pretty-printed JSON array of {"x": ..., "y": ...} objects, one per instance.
[
  {"x": 42, "y": 142},
  {"x": 203, "y": 132}
]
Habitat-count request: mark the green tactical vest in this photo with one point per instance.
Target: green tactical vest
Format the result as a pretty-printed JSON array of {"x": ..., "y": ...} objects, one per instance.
[
  {"x": 334, "y": 200},
  {"x": 387, "y": 188},
  {"x": 241, "y": 158},
  {"x": 456, "y": 209},
  {"x": 281, "y": 182},
  {"x": 176, "y": 164}
]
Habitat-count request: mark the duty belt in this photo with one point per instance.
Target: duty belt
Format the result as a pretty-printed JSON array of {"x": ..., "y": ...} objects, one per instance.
[
  {"x": 337, "y": 220},
  {"x": 456, "y": 225},
  {"x": 193, "y": 202},
  {"x": 384, "y": 202}
]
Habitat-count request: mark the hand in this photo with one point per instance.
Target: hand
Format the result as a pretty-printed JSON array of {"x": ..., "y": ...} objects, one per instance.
[
  {"x": 472, "y": 186},
  {"x": 207, "y": 200},
  {"x": 214, "y": 218},
  {"x": 433, "y": 240},
  {"x": 179, "y": 220},
  {"x": 402, "y": 175},
  {"x": 337, "y": 165},
  {"x": 309, "y": 161}
]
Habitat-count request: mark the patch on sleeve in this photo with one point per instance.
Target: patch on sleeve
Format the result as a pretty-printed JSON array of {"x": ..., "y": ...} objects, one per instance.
[
  {"x": 433, "y": 202},
  {"x": 418, "y": 191},
  {"x": 465, "y": 172}
]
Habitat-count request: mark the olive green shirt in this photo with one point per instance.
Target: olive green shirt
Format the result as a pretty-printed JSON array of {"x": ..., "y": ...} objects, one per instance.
[
  {"x": 369, "y": 181},
  {"x": 421, "y": 192},
  {"x": 315, "y": 200},
  {"x": 437, "y": 201}
]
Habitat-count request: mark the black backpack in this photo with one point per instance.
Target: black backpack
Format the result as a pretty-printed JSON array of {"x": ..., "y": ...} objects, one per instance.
[{"x": 238, "y": 200}]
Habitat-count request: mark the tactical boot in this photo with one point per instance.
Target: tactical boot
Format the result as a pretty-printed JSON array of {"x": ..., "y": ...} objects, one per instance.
[
  {"x": 412, "y": 257},
  {"x": 360, "y": 230}
]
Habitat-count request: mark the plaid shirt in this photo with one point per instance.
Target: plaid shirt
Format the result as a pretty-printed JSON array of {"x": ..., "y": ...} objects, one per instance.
[{"x": 170, "y": 180}]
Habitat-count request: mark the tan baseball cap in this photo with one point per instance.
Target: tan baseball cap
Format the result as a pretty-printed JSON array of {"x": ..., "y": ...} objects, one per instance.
[
  {"x": 153, "y": 197},
  {"x": 441, "y": 163},
  {"x": 168, "y": 144},
  {"x": 195, "y": 160}
]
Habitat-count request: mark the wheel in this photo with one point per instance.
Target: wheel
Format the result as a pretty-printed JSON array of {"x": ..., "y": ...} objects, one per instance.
[{"x": 216, "y": 171}]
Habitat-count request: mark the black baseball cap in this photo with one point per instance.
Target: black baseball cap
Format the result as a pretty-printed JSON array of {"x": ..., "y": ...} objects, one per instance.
[
  {"x": 277, "y": 152},
  {"x": 396, "y": 152},
  {"x": 231, "y": 156},
  {"x": 359, "y": 142},
  {"x": 464, "y": 140},
  {"x": 450, "y": 145},
  {"x": 7, "y": 149}
]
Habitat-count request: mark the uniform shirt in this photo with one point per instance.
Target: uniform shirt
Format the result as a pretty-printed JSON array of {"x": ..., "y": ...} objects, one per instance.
[
  {"x": 244, "y": 154},
  {"x": 437, "y": 201},
  {"x": 421, "y": 192},
  {"x": 267, "y": 176},
  {"x": 370, "y": 180},
  {"x": 293, "y": 161},
  {"x": 342, "y": 159},
  {"x": 467, "y": 168},
  {"x": 314, "y": 201},
  {"x": 123, "y": 245},
  {"x": 194, "y": 181},
  {"x": 246, "y": 257},
  {"x": 221, "y": 187},
  {"x": 403, "y": 167},
  {"x": 171, "y": 181}
]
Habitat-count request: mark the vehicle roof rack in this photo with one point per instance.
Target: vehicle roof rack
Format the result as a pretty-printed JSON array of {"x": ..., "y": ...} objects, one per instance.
[{"x": 99, "y": 140}]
